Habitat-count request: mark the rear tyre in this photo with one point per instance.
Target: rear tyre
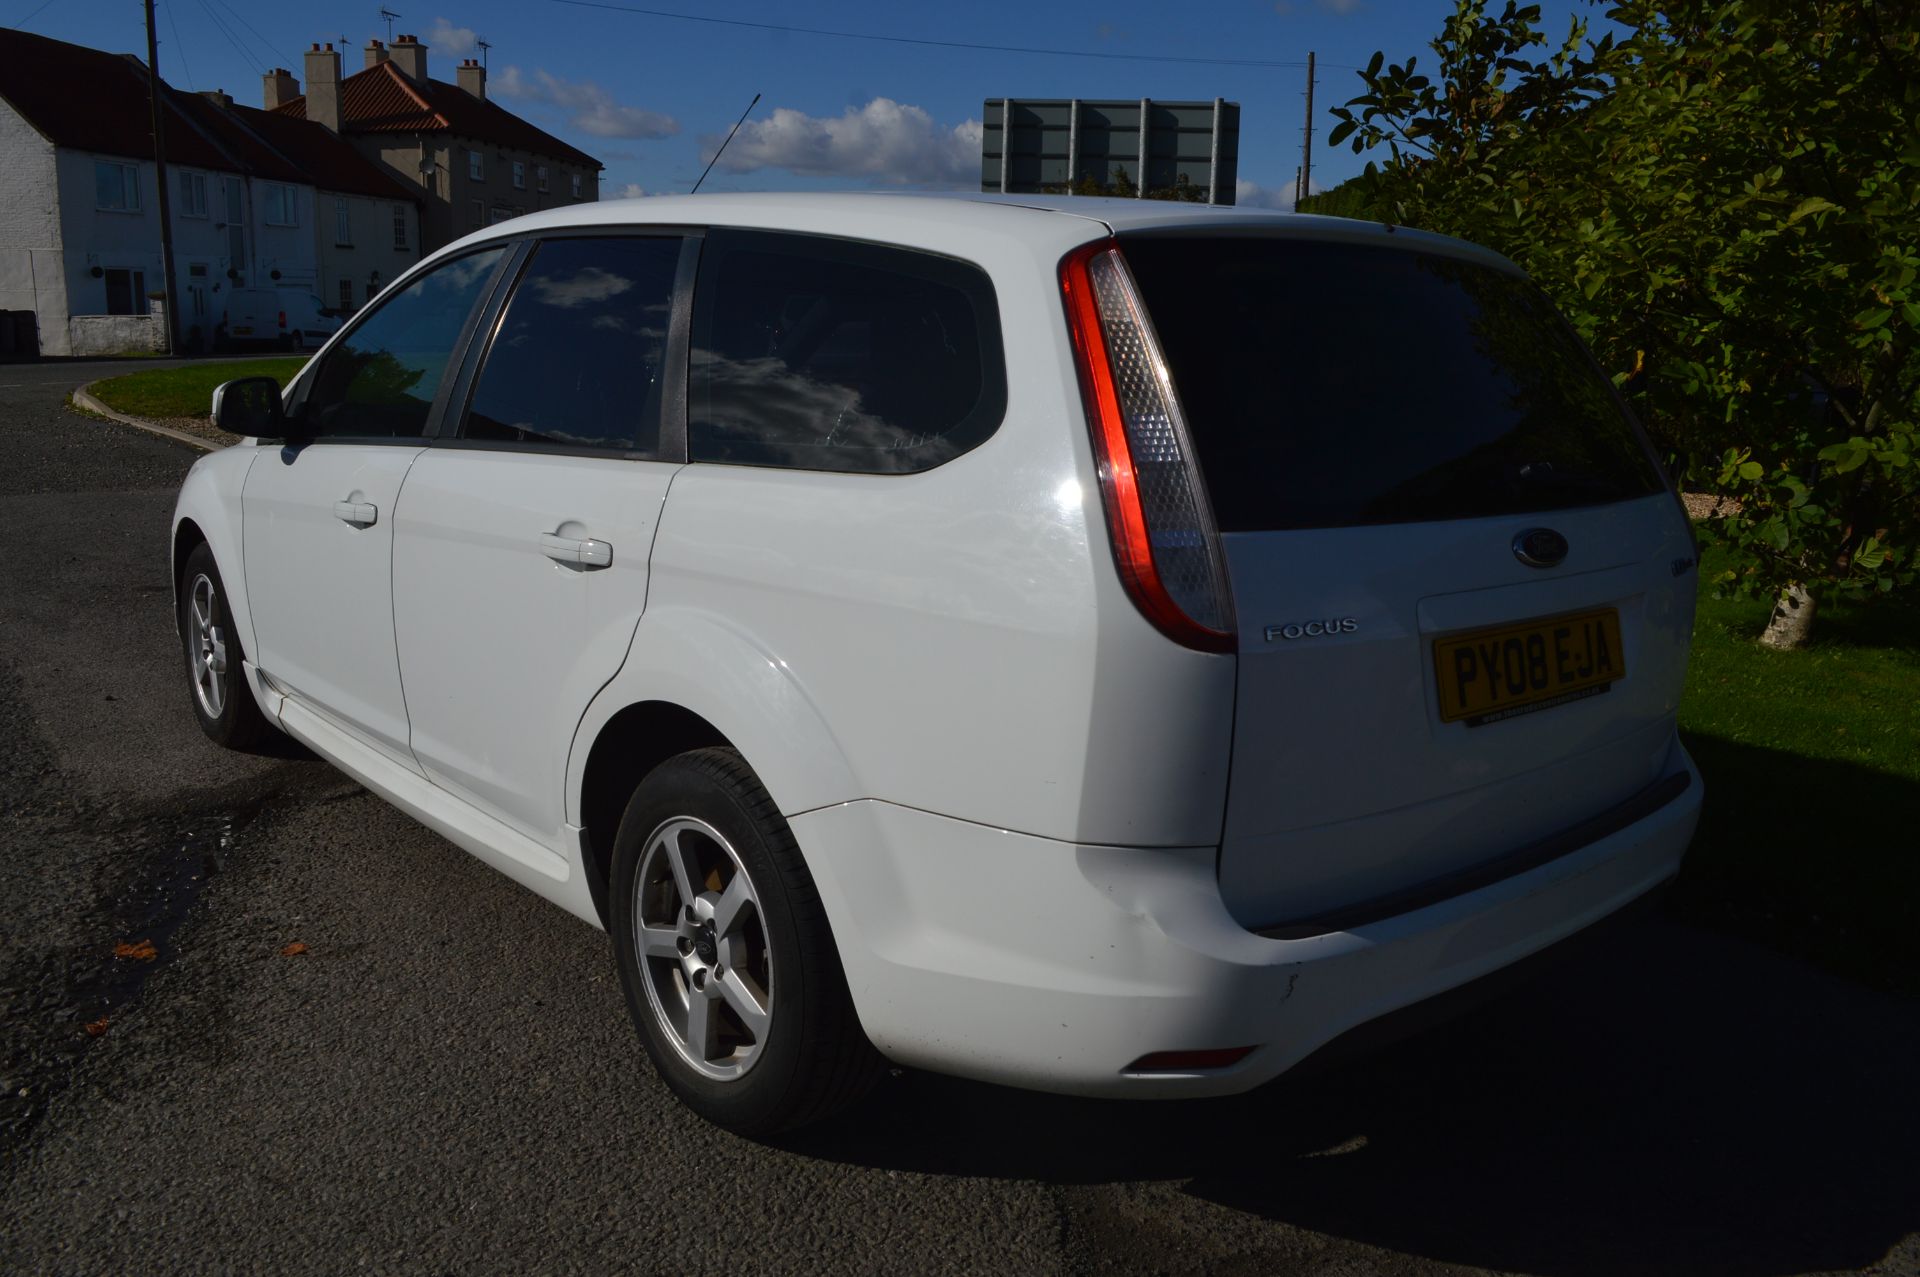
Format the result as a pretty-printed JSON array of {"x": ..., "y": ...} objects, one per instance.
[
  {"x": 217, "y": 686},
  {"x": 729, "y": 967}
]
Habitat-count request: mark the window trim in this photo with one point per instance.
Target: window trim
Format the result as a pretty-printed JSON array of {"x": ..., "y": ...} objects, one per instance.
[
  {"x": 476, "y": 166},
  {"x": 672, "y": 447},
  {"x": 519, "y": 175},
  {"x": 401, "y": 239},
  {"x": 138, "y": 207},
  {"x": 302, "y": 385},
  {"x": 291, "y": 205},
  {"x": 189, "y": 181}
]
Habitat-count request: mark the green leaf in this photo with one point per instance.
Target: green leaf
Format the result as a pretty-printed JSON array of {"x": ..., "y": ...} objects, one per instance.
[
  {"x": 1751, "y": 470},
  {"x": 1809, "y": 206},
  {"x": 1870, "y": 555}
]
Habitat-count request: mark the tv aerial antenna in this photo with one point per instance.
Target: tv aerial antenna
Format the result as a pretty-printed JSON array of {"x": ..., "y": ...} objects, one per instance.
[
  {"x": 388, "y": 15},
  {"x": 483, "y": 45}
]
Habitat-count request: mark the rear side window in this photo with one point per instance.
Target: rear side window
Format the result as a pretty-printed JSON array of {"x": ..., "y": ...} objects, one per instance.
[
  {"x": 577, "y": 359},
  {"x": 825, "y": 354},
  {"x": 1332, "y": 385},
  {"x": 379, "y": 380}
]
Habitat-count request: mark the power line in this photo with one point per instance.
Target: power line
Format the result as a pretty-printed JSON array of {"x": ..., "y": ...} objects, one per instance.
[
  {"x": 272, "y": 53},
  {"x": 181, "y": 43},
  {"x": 221, "y": 28},
  {"x": 31, "y": 16},
  {"x": 938, "y": 44}
]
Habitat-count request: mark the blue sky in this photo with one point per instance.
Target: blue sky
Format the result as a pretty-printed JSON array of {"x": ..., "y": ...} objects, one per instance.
[{"x": 651, "y": 95}]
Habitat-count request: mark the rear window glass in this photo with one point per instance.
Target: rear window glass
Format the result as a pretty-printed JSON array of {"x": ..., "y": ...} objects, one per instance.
[
  {"x": 825, "y": 354},
  {"x": 1332, "y": 385}
]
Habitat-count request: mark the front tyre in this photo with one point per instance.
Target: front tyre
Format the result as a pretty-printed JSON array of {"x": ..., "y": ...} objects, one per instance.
[
  {"x": 729, "y": 967},
  {"x": 222, "y": 701}
]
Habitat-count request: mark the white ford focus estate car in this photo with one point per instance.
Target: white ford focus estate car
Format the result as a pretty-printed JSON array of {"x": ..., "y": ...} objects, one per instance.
[{"x": 1108, "y": 647}]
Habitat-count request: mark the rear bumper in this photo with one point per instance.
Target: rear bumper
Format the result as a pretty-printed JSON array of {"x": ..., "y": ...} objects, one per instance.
[{"x": 1047, "y": 965}]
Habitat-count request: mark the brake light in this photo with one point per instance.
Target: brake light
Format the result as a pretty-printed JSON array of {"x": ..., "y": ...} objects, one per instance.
[
  {"x": 283, "y": 319},
  {"x": 1165, "y": 544}
]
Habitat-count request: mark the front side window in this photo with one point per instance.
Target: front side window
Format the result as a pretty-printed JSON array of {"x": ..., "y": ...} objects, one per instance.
[
  {"x": 193, "y": 195},
  {"x": 116, "y": 187},
  {"x": 825, "y": 354},
  {"x": 380, "y": 378},
  {"x": 277, "y": 203},
  {"x": 342, "y": 224},
  {"x": 578, "y": 357},
  {"x": 476, "y": 167}
]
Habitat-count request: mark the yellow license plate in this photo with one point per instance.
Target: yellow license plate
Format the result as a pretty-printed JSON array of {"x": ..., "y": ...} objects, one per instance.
[{"x": 1495, "y": 674}]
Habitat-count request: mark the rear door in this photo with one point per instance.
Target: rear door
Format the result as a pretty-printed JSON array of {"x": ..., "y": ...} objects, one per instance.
[
  {"x": 1462, "y": 587},
  {"x": 318, "y": 534},
  {"x": 520, "y": 552}
]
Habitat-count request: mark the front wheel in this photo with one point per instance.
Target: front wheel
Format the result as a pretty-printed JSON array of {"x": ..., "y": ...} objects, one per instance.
[
  {"x": 222, "y": 701},
  {"x": 730, "y": 970}
]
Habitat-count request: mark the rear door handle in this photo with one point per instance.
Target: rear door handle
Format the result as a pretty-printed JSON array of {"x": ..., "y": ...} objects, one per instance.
[
  {"x": 359, "y": 513},
  {"x": 579, "y": 554}
]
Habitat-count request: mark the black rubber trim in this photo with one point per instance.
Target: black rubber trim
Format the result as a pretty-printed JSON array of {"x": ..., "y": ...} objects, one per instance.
[{"x": 1531, "y": 856}]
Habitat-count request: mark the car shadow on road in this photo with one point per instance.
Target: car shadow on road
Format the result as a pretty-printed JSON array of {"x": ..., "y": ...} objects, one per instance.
[{"x": 1668, "y": 1100}]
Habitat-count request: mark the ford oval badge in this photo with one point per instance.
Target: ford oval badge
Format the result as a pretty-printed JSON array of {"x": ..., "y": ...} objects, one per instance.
[{"x": 1540, "y": 548}]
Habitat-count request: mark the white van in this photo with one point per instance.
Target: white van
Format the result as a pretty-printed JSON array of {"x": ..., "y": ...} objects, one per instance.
[
  {"x": 1109, "y": 647},
  {"x": 288, "y": 319}
]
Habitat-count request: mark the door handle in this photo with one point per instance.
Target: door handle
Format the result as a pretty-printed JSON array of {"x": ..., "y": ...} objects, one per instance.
[
  {"x": 579, "y": 554},
  {"x": 359, "y": 513}
]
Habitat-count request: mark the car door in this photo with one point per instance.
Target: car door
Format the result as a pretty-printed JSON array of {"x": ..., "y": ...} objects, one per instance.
[
  {"x": 318, "y": 509},
  {"x": 521, "y": 545}
]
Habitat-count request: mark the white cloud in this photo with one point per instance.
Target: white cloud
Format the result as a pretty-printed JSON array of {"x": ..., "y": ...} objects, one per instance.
[
  {"x": 896, "y": 144},
  {"x": 631, "y": 191},
  {"x": 443, "y": 35},
  {"x": 1253, "y": 195},
  {"x": 590, "y": 108}
]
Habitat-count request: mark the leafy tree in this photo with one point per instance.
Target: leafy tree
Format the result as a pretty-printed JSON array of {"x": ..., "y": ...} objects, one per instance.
[{"x": 1725, "y": 201}]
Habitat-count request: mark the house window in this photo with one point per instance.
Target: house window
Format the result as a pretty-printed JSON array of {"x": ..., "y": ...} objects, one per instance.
[
  {"x": 576, "y": 186},
  {"x": 400, "y": 227},
  {"x": 126, "y": 292},
  {"x": 278, "y": 202},
  {"x": 346, "y": 297},
  {"x": 540, "y": 176},
  {"x": 342, "y": 224},
  {"x": 477, "y": 212},
  {"x": 519, "y": 175},
  {"x": 501, "y": 213},
  {"x": 116, "y": 188},
  {"x": 193, "y": 195},
  {"x": 476, "y": 167}
]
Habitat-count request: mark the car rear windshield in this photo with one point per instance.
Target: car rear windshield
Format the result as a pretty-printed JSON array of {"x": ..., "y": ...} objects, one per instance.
[{"x": 1334, "y": 385}]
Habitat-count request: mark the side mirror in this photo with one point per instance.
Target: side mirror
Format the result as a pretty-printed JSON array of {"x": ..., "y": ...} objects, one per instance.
[{"x": 250, "y": 406}]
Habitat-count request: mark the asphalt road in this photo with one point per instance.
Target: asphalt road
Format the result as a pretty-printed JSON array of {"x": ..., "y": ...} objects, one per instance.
[{"x": 445, "y": 1079}]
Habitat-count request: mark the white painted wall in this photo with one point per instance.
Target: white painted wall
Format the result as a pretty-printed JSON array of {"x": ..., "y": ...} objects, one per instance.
[
  {"x": 30, "y": 273},
  {"x": 369, "y": 247}
]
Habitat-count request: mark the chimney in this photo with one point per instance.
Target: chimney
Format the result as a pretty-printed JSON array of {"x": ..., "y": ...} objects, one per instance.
[
  {"x": 376, "y": 54},
  {"x": 219, "y": 97},
  {"x": 411, "y": 57},
  {"x": 281, "y": 87},
  {"x": 473, "y": 78},
  {"x": 323, "y": 87}
]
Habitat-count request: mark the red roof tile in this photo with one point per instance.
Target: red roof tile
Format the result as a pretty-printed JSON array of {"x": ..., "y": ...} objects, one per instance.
[{"x": 381, "y": 99}]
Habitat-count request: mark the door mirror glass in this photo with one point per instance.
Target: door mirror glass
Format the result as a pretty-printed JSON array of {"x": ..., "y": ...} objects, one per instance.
[{"x": 250, "y": 406}]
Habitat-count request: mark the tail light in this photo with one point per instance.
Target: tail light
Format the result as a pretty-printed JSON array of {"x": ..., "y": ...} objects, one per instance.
[
  {"x": 1164, "y": 540},
  {"x": 283, "y": 319}
]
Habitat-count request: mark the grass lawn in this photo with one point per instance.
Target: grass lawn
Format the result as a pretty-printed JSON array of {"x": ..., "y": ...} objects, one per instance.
[
  {"x": 186, "y": 391},
  {"x": 1810, "y": 840}
]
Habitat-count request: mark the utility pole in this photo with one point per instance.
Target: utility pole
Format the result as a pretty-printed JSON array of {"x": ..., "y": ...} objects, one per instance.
[
  {"x": 1305, "y": 181},
  {"x": 154, "y": 100}
]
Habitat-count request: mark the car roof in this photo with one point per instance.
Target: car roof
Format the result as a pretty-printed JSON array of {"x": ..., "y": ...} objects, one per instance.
[{"x": 868, "y": 214}]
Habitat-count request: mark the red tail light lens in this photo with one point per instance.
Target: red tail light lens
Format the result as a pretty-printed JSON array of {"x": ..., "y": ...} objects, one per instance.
[
  {"x": 283, "y": 319},
  {"x": 1164, "y": 541}
]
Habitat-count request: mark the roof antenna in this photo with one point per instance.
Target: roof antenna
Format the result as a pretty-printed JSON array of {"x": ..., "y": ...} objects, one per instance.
[
  {"x": 389, "y": 15},
  {"x": 483, "y": 46},
  {"x": 723, "y": 146}
]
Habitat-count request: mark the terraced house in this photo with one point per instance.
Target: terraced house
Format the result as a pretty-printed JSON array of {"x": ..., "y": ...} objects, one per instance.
[
  {"x": 258, "y": 200},
  {"x": 472, "y": 162}
]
